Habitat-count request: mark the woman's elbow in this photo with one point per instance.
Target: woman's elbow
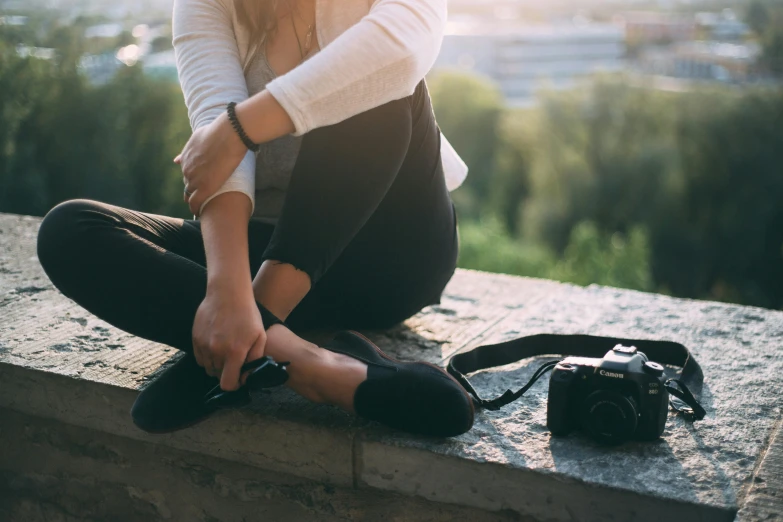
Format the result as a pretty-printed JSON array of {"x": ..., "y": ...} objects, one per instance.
[{"x": 419, "y": 63}]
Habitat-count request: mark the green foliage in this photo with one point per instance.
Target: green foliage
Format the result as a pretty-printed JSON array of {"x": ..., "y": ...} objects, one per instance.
[
  {"x": 765, "y": 17},
  {"x": 607, "y": 183},
  {"x": 485, "y": 245},
  {"x": 61, "y": 138},
  {"x": 602, "y": 153},
  {"x": 511, "y": 180},
  {"x": 628, "y": 186},
  {"x": 592, "y": 257},
  {"x": 469, "y": 109},
  {"x": 723, "y": 232},
  {"x": 161, "y": 43}
]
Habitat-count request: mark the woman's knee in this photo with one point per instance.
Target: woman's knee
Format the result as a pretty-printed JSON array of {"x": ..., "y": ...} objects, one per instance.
[
  {"x": 386, "y": 127},
  {"x": 60, "y": 229}
]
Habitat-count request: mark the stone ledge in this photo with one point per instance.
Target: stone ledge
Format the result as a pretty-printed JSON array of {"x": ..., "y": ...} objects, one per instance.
[
  {"x": 60, "y": 364},
  {"x": 66, "y": 473}
]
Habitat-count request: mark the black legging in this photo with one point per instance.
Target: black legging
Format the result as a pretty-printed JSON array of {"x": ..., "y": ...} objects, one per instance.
[{"x": 367, "y": 215}]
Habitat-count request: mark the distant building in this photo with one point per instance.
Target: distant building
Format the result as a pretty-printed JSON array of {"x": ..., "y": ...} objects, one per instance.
[
  {"x": 723, "y": 26},
  {"x": 645, "y": 27},
  {"x": 161, "y": 65},
  {"x": 522, "y": 58},
  {"x": 13, "y": 20},
  {"x": 42, "y": 53},
  {"x": 100, "y": 68},
  {"x": 713, "y": 61},
  {"x": 103, "y": 31}
]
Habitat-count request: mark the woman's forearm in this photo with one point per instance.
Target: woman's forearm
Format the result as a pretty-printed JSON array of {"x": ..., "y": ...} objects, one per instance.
[
  {"x": 263, "y": 118},
  {"x": 279, "y": 287},
  {"x": 224, "y": 228}
]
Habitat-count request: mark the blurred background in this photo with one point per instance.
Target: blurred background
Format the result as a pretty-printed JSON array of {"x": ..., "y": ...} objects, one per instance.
[{"x": 627, "y": 143}]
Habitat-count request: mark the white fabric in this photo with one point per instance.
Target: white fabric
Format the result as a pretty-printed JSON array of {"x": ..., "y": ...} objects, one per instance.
[{"x": 372, "y": 52}]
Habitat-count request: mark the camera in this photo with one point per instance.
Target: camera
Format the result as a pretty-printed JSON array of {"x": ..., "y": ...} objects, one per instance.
[{"x": 614, "y": 399}]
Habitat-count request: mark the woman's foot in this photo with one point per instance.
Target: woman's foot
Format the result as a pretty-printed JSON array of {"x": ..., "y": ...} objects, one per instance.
[
  {"x": 316, "y": 373},
  {"x": 175, "y": 399},
  {"x": 354, "y": 374},
  {"x": 351, "y": 373}
]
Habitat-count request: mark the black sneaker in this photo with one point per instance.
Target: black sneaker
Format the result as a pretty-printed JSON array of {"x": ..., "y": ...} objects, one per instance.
[
  {"x": 416, "y": 397},
  {"x": 185, "y": 394},
  {"x": 175, "y": 399}
]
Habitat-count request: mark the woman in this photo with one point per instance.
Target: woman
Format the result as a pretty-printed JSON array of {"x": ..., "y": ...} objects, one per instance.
[{"x": 322, "y": 199}]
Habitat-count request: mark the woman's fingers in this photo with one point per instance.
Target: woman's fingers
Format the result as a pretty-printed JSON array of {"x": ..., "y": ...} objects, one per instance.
[
  {"x": 256, "y": 352},
  {"x": 198, "y": 353},
  {"x": 194, "y": 202},
  {"x": 204, "y": 358},
  {"x": 229, "y": 377},
  {"x": 206, "y": 361},
  {"x": 213, "y": 368}
]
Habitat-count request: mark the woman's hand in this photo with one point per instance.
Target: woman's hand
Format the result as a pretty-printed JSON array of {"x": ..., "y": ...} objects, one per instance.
[
  {"x": 210, "y": 156},
  {"x": 227, "y": 332}
]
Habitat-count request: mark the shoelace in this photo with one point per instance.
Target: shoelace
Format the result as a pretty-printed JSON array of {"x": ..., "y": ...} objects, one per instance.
[{"x": 264, "y": 373}]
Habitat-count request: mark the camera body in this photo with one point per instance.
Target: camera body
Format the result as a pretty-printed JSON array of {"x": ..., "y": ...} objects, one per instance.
[{"x": 617, "y": 398}]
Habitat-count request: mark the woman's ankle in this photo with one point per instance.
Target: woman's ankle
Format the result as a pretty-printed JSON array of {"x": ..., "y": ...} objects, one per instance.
[
  {"x": 339, "y": 377},
  {"x": 304, "y": 357}
]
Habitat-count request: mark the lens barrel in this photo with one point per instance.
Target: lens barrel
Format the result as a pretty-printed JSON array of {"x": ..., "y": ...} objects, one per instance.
[{"x": 609, "y": 416}]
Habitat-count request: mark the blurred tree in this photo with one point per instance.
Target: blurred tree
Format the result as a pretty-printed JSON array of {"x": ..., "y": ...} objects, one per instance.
[
  {"x": 592, "y": 257},
  {"x": 606, "y": 183},
  {"x": 23, "y": 82},
  {"x": 469, "y": 109},
  {"x": 601, "y": 153},
  {"x": 511, "y": 181},
  {"x": 161, "y": 43},
  {"x": 723, "y": 236},
  {"x": 125, "y": 38},
  {"x": 765, "y": 17},
  {"x": 757, "y": 15},
  {"x": 63, "y": 139},
  {"x": 485, "y": 245},
  {"x": 701, "y": 171}
]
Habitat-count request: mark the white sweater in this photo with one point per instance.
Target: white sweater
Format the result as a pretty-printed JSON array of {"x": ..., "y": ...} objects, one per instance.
[{"x": 372, "y": 52}]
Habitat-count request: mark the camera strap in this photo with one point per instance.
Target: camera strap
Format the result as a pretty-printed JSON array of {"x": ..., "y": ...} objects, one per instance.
[{"x": 493, "y": 355}]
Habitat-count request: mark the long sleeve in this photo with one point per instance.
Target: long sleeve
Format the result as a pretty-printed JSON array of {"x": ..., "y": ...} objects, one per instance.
[
  {"x": 379, "y": 59},
  {"x": 210, "y": 72}
]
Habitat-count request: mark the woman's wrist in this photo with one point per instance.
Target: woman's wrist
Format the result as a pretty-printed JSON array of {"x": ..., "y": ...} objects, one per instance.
[{"x": 229, "y": 136}]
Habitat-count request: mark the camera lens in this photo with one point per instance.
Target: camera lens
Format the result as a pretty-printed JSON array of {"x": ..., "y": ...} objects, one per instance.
[{"x": 609, "y": 416}]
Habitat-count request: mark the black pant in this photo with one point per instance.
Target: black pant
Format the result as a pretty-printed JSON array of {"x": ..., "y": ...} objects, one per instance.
[{"x": 367, "y": 215}]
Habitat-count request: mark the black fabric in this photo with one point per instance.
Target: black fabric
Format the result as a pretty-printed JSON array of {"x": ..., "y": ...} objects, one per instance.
[
  {"x": 174, "y": 399},
  {"x": 410, "y": 396},
  {"x": 268, "y": 317},
  {"x": 492, "y": 355},
  {"x": 367, "y": 216}
]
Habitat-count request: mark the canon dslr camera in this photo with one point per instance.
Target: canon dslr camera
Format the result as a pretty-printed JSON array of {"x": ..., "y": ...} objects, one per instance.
[{"x": 614, "y": 399}]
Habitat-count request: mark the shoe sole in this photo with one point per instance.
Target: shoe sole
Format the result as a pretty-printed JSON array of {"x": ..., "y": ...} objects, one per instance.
[{"x": 179, "y": 428}]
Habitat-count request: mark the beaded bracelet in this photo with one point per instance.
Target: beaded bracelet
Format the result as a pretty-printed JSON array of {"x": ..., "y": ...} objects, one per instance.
[{"x": 232, "y": 117}]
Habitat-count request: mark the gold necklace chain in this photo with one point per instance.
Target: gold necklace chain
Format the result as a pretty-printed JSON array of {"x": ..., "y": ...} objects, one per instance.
[{"x": 308, "y": 37}]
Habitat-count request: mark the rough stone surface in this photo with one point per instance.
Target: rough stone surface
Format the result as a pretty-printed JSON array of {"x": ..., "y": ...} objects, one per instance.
[
  {"x": 765, "y": 498},
  {"x": 58, "y": 362}
]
